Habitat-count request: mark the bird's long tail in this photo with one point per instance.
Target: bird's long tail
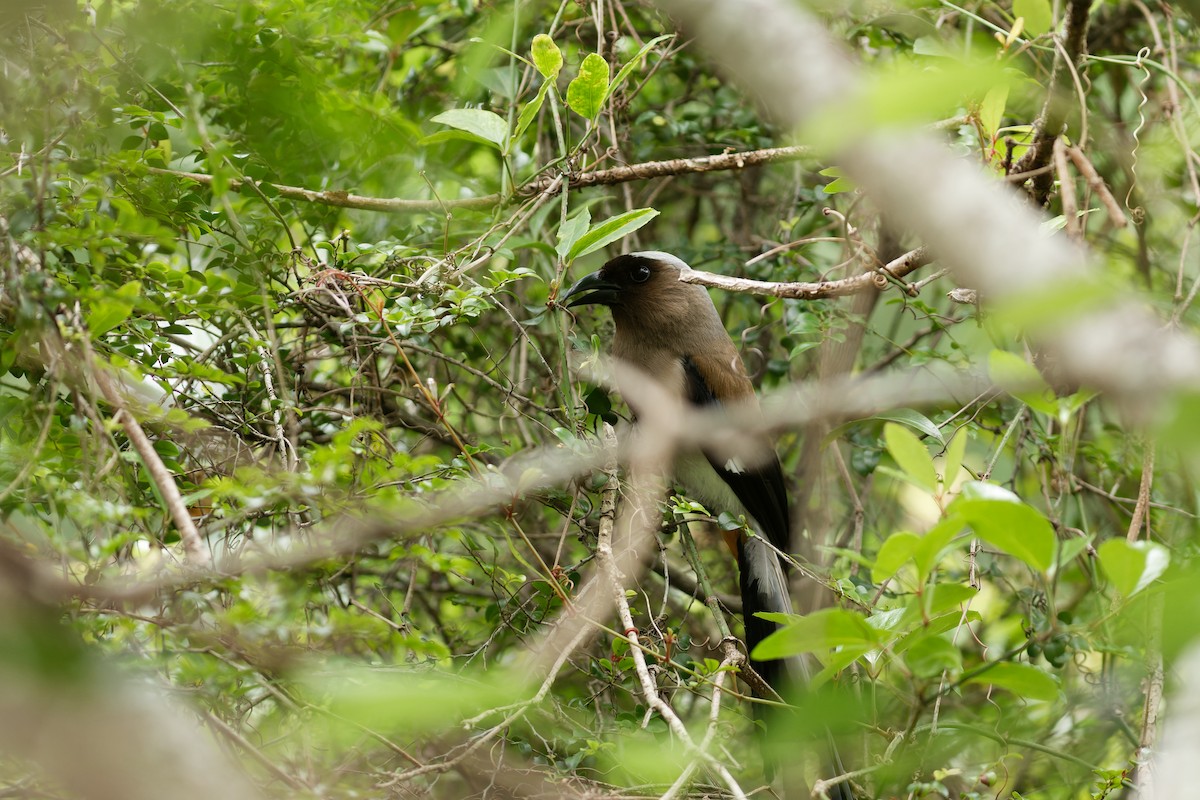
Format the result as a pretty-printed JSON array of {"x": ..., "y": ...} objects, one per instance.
[{"x": 764, "y": 588}]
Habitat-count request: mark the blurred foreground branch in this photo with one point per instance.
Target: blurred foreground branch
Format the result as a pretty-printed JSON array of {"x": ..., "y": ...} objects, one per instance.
[{"x": 988, "y": 235}]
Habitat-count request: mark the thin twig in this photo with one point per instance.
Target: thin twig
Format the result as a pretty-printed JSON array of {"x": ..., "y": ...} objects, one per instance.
[
  {"x": 1088, "y": 170},
  {"x": 601, "y": 177},
  {"x": 220, "y": 726},
  {"x": 640, "y": 492},
  {"x": 1143, "y": 500},
  {"x": 1066, "y": 192},
  {"x": 898, "y": 268},
  {"x": 194, "y": 546}
]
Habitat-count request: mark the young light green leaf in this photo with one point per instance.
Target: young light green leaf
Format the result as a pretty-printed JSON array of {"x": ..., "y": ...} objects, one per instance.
[
  {"x": 586, "y": 93},
  {"x": 1014, "y": 527},
  {"x": 546, "y": 56},
  {"x": 893, "y": 554},
  {"x": 1036, "y": 13},
  {"x": 112, "y": 308},
  {"x": 629, "y": 65},
  {"x": 954, "y": 456},
  {"x": 570, "y": 231},
  {"x": 484, "y": 124},
  {"x": 1132, "y": 566},
  {"x": 840, "y": 182},
  {"x": 931, "y": 545},
  {"x": 1022, "y": 680},
  {"x": 529, "y": 110},
  {"x": 910, "y": 455},
  {"x": 609, "y": 231},
  {"x": 991, "y": 109},
  {"x": 821, "y": 630}
]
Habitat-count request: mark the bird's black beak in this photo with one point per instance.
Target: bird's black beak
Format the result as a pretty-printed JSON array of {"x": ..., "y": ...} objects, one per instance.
[{"x": 591, "y": 289}]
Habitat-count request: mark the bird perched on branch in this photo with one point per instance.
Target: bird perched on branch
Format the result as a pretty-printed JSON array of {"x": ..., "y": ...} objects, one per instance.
[{"x": 671, "y": 331}]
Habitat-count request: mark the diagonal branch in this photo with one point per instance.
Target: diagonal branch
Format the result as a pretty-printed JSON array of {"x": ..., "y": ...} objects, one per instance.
[
  {"x": 898, "y": 268},
  {"x": 194, "y": 545},
  {"x": 1053, "y": 116}
]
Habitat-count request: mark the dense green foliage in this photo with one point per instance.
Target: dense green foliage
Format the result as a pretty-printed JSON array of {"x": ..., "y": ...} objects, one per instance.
[{"x": 327, "y": 386}]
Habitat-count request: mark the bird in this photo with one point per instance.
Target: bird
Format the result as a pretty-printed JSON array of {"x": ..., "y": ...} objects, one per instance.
[{"x": 671, "y": 330}]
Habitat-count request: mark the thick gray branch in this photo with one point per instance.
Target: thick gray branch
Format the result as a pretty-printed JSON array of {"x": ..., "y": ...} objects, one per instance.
[{"x": 983, "y": 231}]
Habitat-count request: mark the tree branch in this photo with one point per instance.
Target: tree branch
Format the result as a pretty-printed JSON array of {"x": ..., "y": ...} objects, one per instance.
[
  {"x": 1053, "y": 116},
  {"x": 875, "y": 279},
  {"x": 194, "y": 545},
  {"x": 973, "y": 224},
  {"x": 545, "y": 184}
]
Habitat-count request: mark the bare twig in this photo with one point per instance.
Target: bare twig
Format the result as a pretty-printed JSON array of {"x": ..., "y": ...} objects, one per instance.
[
  {"x": 289, "y": 780},
  {"x": 1066, "y": 191},
  {"x": 1143, "y": 500},
  {"x": 1115, "y": 213},
  {"x": 898, "y": 268},
  {"x": 194, "y": 546},
  {"x": 652, "y": 455},
  {"x": 1144, "y": 779}
]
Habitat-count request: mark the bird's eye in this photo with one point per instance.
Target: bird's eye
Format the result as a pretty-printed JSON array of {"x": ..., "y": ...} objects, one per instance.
[{"x": 640, "y": 274}]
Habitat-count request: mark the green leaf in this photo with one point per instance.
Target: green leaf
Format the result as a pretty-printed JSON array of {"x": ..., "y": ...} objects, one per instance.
[
  {"x": 629, "y": 65},
  {"x": 931, "y": 545},
  {"x": 586, "y": 93},
  {"x": 1037, "y": 15},
  {"x": 913, "y": 419},
  {"x": 821, "y": 630},
  {"x": 991, "y": 109},
  {"x": 609, "y": 231},
  {"x": 954, "y": 456},
  {"x": 932, "y": 655},
  {"x": 999, "y": 517},
  {"x": 935, "y": 626},
  {"x": 837, "y": 661},
  {"x": 529, "y": 111},
  {"x": 570, "y": 231},
  {"x": 1021, "y": 379},
  {"x": 112, "y": 308},
  {"x": 1132, "y": 566},
  {"x": 1070, "y": 549},
  {"x": 487, "y": 126},
  {"x": 923, "y": 550},
  {"x": 1020, "y": 679},
  {"x": 893, "y": 554},
  {"x": 910, "y": 455},
  {"x": 450, "y": 136},
  {"x": 546, "y": 57},
  {"x": 840, "y": 182},
  {"x": 904, "y": 416}
]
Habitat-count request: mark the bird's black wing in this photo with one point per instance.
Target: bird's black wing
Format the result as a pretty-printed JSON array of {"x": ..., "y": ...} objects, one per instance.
[{"x": 759, "y": 485}]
